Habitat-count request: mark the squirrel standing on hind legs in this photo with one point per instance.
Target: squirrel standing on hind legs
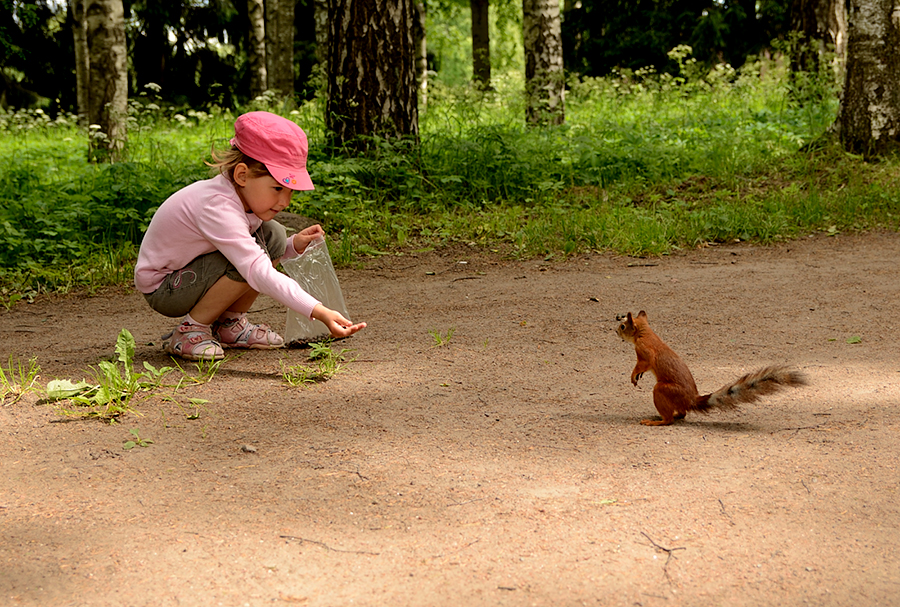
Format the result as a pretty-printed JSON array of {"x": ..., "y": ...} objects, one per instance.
[{"x": 675, "y": 392}]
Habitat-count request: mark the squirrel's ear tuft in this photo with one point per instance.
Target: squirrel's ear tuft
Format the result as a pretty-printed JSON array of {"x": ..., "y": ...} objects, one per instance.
[
  {"x": 642, "y": 314},
  {"x": 630, "y": 319}
]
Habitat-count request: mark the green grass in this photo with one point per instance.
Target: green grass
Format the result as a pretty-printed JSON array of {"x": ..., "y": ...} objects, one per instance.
[
  {"x": 441, "y": 339},
  {"x": 324, "y": 362},
  {"x": 17, "y": 379},
  {"x": 644, "y": 165}
]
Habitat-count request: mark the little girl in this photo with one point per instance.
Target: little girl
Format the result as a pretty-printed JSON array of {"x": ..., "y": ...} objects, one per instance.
[{"x": 212, "y": 247}]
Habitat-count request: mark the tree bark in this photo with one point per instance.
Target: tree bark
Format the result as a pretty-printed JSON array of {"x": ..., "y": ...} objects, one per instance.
[
  {"x": 822, "y": 24},
  {"x": 371, "y": 72},
  {"x": 421, "y": 46},
  {"x": 544, "y": 76},
  {"x": 280, "y": 46},
  {"x": 108, "y": 77},
  {"x": 256, "y": 50},
  {"x": 868, "y": 121},
  {"x": 321, "y": 16},
  {"x": 481, "y": 44},
  {"x": 82, "y": 59}
]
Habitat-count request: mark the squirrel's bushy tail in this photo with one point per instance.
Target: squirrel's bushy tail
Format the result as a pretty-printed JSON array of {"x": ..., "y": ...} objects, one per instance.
[{"x": 749, "y": 388}]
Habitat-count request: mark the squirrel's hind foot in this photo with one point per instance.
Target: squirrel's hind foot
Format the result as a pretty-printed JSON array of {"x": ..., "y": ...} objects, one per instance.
[{"x": 656, "y": 422}]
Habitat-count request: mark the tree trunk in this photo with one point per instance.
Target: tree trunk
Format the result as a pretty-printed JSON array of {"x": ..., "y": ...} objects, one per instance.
[
  {"x": 280, "y": 46},
  {"x": 821, "y": 24},
  {"x": 840, "y": 29},
  {"x": 481, "y": 44},
  {"x": 371, "y": 71},
  {"x": 108, "y": 77},
  {"x": 868, "y": 121},
  {"x": 256, "y": 50},
  {"x": 544, "y": 77},
  {"x": 419, "y": 38},
  {"x": 82, "y": 59},
  {"x": 321, "y": 16}
]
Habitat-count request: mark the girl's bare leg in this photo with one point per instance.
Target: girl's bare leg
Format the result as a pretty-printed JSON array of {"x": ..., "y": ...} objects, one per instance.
[{"x": 225, "y": 295}]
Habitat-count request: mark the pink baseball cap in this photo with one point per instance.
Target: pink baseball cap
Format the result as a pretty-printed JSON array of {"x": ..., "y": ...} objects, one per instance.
[{"x": 276, "y": 142}]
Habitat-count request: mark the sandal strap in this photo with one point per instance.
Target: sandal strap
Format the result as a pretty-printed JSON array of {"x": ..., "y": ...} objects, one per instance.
[
  {"x": 193, "y": 342},
  {"x": 241, "y": 333}
]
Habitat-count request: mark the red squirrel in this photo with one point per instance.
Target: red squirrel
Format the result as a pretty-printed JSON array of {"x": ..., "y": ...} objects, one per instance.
[{"x": 675, "y": 392}]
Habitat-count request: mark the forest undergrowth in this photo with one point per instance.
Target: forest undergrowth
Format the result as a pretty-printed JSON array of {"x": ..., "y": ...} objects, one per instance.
[{"x": 645, "y": 164}]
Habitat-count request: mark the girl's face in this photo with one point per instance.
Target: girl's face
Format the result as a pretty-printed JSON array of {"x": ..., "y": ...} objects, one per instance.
[{"x": 261, "y": 194}]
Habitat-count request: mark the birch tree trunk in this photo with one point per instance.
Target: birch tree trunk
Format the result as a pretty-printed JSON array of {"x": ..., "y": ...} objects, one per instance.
[
  {"x": 371, "y": 72},
  {"x": 823, "y": 24},
  {"x": 544, "y": 77},
  {"x": 82, "y": 59},
  {"x": 256, "y": 50},
  {"x": 481, "y": 44},
  {"x": 868, "y": 121},
  {"x": 107, "y": 87},
  {"x": 280, "y": 46}
]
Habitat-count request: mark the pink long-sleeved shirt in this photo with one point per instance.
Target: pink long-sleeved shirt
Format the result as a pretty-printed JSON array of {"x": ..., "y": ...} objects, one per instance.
[{"x": 204, "y": 217}]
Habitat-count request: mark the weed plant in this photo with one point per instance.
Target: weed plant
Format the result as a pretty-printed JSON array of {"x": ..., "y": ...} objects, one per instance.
[
  {"x": 114, "y": 385},
  {"x": 18, "y": 379},
  {"x": 644, "y": 164},
  {"x": 441, "y": 339},
  {"x": 324, "y": 363},
  {"x": 204, "y": 371},
  {"x": 136, "y": 440}
]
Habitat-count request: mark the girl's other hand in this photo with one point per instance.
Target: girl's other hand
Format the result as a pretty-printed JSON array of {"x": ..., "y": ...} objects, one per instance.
[
  {"x": 337, "y": 325},
  {"x": 306, "y": 236}
]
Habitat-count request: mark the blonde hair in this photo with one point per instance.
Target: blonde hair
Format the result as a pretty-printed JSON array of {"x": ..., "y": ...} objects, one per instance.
[{"x": 225, "y": 162}]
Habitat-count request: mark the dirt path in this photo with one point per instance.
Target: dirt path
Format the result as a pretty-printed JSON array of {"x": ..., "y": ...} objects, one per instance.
[{"x": 505, "y": 468}]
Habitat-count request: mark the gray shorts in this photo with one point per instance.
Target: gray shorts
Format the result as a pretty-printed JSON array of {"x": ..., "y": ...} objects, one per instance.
[{"x": 182, "y": 289}]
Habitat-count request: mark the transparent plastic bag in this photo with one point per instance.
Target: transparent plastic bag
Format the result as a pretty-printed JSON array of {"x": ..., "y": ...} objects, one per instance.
[{"x": 315, "y": 273}]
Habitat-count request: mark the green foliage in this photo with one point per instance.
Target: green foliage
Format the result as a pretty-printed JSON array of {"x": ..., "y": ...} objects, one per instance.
[
  {"x": 203, "y": 372},
  {"x": 442, "y": 339},
  {"x": 114, "y": 385},
  {"x": 601, "y": 35},
  {"x": 450, "y": 39},
  {"x": 647, "y": 162},
  {"x": 18, "y": 379},
  {"x": 136, "y": 440},
  {"x": 34, "y": 37},
  {"x": 326, "y": 363},
  {"x": 67, "y": 222}
]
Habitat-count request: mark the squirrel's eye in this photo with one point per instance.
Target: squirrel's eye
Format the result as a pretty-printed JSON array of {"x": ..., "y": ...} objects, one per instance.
[{"x": 622, "y": 326}]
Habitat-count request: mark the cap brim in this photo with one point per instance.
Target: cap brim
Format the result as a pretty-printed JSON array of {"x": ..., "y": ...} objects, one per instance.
[{"x": 295, "y": 179}]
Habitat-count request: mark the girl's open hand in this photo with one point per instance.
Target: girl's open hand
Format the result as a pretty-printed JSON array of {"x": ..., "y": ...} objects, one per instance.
[
  {"x": 306, "y": 236},
  {"x": 337, "y": 325}
]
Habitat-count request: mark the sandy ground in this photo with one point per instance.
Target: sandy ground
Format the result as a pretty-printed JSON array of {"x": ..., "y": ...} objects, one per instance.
[{"x": 506, "y": 467}]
